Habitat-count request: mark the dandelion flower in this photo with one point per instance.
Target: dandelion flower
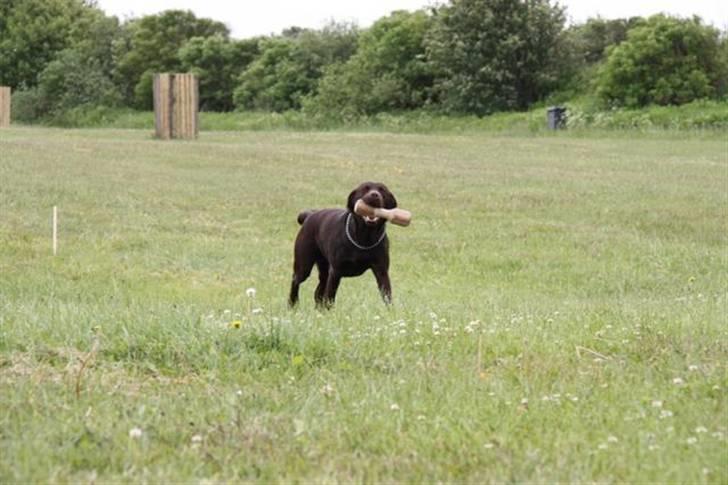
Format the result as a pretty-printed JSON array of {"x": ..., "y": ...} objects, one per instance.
[
  {"x": 236, "y": 324},
  {"x": 135, "y": 433}
]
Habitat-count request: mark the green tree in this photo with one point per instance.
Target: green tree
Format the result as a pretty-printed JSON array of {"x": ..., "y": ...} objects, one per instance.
[
  {"x": 388, "y": 72},
  {"x": 218, "y": 62},
  {"x": 152, "y": 46},
  {"x": 32, "y": 32},
  {"x": 665, "y": 60},
  {"x": 592, "y": 38},
  {"x": 492, "y": 55},
  {"x": 289, "y": 67}
]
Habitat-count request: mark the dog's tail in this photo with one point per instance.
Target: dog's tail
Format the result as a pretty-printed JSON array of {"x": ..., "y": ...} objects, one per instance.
[{"x": 303, "y": 215}]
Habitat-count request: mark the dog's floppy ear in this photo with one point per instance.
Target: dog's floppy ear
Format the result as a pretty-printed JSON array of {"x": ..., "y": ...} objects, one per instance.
[
  {"x": 389, "y": 201},
  {"x": 353, "y": 197}
]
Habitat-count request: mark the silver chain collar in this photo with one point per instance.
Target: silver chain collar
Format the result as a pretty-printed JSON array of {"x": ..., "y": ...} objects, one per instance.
[{"x": 359, "y": 246}]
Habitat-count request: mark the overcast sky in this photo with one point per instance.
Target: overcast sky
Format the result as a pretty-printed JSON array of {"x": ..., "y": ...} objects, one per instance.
[{"x": 259, "y": 17}]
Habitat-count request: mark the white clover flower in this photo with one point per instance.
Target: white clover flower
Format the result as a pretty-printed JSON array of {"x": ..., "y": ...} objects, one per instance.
[
  {"x": 665, "y": 414},
  {"x": 196, "y": 439},
  {"x": 488, "y": 446},
  {"x": 394, "y": 407},
  {"x": 693, "y": 368},
  {"x": 257, "y": 311},
  {"x": 612, "y": 439},
  {"x": 701, "y": 429},
  {"x": 678, "y": 381},
  {"x": 250, "y": 292},
  {"x": 656, "y": 404},
  {"x": 327, "y": 390},
  {"x": 692, "y": 440},
  {"x": 135, "y": 433}
]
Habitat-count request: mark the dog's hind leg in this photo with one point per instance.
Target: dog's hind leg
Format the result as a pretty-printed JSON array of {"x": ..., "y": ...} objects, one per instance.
[
  {"x": 301, "y": 270},
  {"x": 323, "y": 271}
]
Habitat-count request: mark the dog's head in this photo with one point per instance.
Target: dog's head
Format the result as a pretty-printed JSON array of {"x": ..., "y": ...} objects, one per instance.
[{"x": 374, "y": 194}]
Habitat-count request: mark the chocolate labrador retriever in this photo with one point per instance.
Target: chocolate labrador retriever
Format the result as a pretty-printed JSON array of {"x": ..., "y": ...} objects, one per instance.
[{"x": 341, "y": 244}]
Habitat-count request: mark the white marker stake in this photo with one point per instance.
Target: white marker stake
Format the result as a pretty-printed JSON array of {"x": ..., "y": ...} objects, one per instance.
[{"x": 55, "y": 230}]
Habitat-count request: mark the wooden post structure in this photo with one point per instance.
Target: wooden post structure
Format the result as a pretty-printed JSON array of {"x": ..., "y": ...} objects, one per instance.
[
  {"x": 4, "y": 106},
  {"x": 176, "y": 106}
]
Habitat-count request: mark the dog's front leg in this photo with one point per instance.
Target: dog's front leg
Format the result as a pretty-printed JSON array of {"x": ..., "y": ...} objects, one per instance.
[
  {"x": 332, "y": 286},
  {"x": 381, "y": 273}
]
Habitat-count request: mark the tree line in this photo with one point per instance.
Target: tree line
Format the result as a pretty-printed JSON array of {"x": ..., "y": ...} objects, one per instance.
[{"x": 463, "y": 57}]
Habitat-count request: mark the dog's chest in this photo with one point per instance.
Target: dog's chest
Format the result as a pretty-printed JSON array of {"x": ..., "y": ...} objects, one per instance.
[{"x": 355, "y": 264}]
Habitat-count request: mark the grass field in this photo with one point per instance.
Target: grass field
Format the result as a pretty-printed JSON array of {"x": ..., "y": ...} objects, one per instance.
[{"x": 559, "y": 310}]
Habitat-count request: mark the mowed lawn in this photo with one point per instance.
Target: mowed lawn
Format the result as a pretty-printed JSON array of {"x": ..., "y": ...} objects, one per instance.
[{"x": 559, "y": 310}]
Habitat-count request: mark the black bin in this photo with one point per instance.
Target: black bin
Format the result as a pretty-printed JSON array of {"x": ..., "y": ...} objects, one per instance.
[{"x": 556, "y": 117}]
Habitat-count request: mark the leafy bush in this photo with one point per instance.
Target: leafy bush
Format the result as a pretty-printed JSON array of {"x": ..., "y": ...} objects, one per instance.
[
  {"x": 218, "y": 62},
  {"x": 701, "y": 114},
  {"x": 73, "y": 80},
  {"x": 664, "y": 60},
  {"x": 26, "y": 105},
  {"x": 388, "y": 72},
  {"x": 289, "y": 68},
  {"x": 70, "y": 81}
]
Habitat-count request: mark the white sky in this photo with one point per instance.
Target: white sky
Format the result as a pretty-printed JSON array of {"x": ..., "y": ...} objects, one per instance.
[{"x": 247, "y": 18}]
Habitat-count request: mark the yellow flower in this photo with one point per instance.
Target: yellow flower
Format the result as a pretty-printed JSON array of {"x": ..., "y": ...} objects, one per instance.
[{"x": 236, "y": 324}]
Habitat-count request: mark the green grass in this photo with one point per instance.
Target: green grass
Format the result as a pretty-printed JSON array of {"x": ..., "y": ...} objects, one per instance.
[{"x": 559, "y": 310}]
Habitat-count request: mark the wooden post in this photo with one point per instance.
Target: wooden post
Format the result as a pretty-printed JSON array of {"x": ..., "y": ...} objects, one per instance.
[
  {"x": 176, "y": 106},
  {"x": 4, "y": 106}
]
